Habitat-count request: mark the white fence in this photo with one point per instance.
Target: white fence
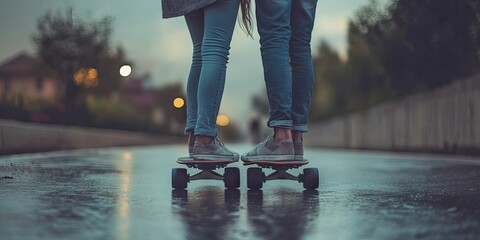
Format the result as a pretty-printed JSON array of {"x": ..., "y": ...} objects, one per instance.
[{"x": 443, "y": 120}]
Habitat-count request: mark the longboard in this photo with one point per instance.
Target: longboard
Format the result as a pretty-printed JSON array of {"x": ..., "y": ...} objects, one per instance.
[
  {"x": 276, "y": 163},
  {"x": 256, "y": 177},
  {"x": 189, "y": 160},
  {"x": 180, "y": 178}
]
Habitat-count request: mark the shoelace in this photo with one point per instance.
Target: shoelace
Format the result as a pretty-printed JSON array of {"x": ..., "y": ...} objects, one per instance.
[
  {"x": 219, "y": 142},
  {"x": 223, "y": 145}
]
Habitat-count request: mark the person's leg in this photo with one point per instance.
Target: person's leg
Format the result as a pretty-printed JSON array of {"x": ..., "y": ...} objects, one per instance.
[
  {"x": 219, "y": 23},
  {"x": 195, "y": 26},
  {"x": 273, "y": 23},
  {"x": 303, "y": 16}
]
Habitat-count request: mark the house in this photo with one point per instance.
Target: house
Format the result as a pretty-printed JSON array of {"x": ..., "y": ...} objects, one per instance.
[
  {"x": 134, "y": 91},
  {"x": 157, "y": 102},
  {"x": 21, "y": 76}
]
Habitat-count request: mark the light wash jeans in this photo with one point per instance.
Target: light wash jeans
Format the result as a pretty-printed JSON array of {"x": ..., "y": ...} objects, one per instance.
[
  {"x": 285, "y": 28},
  {"x": 211, "y": 30}
]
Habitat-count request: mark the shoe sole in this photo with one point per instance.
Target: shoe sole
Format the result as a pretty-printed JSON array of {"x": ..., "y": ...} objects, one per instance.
[
  {"x": 298, "y": 157},
  {"x": 205, "y": 157},
  {"x": 269, "y": 158}
]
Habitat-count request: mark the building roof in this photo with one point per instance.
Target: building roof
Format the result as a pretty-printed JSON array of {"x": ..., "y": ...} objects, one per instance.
[
  {"x": 134, "y": 90},
  {"x": 19, "y": 64}
]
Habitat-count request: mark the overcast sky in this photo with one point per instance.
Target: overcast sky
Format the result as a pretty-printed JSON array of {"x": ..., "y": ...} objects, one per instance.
[{"x": 163, "y": 47}]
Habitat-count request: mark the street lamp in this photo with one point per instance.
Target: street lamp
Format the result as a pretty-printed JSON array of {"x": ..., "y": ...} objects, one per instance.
[{"x": 125, "y": 70}]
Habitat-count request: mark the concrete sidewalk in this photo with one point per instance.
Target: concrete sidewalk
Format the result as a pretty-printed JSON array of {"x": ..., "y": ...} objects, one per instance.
[{"x": 21, "y": 137}]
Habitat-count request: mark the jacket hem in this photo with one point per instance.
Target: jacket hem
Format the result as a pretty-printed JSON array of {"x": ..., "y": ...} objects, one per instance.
[{"x": 172, "y": 14}]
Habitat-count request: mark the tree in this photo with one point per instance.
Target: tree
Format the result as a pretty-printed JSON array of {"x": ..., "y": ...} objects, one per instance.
[
  {"x": 442, "y": 38},
  {"x": 330, "y": 79},
  {"x": 67, "y": 44},
  {"x": 367, "y": 79},
  {"x": 407, "y": 47},
  {"x": 164, "y": 98},
  {"x": 422, "y": 44}
]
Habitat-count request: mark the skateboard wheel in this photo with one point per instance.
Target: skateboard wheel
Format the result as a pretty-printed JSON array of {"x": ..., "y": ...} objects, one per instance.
[
  {"x": 179, "y": 178},
  {"x": 231, "y": 177},
  {"x": 310, "y": 178},
  {"x": 255, "y": 178}
]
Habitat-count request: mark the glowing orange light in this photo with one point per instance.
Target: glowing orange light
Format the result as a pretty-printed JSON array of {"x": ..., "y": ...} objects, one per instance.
[
  {"x": 79, "y": 76},
  {"x": 86, "y": 77},
  {"x": 222, "y": 120},
  {"x": 178, "y": 102},
  {"x": 92, "y": 74}
]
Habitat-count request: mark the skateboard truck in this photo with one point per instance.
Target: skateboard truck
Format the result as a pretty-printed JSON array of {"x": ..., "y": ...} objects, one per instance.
[
  {"x": 205, "y": 175},
  {"x": 281, "y": 175}
]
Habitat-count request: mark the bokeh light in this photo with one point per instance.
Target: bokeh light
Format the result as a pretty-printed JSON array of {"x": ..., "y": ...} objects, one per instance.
[
  {"x": 125, "y": 70},
  {"x": 222, "y": 120},
  {"x": 86, "y": 77},
  {"x": 79, "y": 76},
  {"x": 92, "y": 73},
  {"x": 127, "y": 156},
  {"x": 178, "y": 102}
]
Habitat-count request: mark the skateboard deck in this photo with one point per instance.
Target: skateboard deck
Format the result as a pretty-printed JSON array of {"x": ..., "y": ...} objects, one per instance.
[
  {"x": 277, "y": 163},
  {"x": 189, "y": 160},
  {"x": 203, "y": 164}
]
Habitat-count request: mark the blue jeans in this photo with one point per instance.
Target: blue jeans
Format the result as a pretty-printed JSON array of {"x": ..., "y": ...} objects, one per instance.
[
  {"x": 211, "y": 30},
  {"x": 285, "y": 28}
]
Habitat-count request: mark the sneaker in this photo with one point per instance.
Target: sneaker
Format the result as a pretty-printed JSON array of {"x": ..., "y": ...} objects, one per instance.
[
  {"x": 190, "y": 150},
  {"x": 269, "y": 150},
  {"x": 298, "y": 147},
  {"x": 215, "y": 150},
  {"x": 190, "y": 143}
]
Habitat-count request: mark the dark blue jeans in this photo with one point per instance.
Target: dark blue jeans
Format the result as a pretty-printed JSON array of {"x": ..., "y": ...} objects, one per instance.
[
  {"x": 285, "y": 28},
  {"x": 211, "y": 30}
]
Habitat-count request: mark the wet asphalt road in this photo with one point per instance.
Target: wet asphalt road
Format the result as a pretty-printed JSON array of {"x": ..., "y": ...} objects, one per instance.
[{"x": 125, "y": 193}]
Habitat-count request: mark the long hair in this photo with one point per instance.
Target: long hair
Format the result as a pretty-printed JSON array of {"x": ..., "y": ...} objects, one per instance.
[{"x": 247, "y": 21}]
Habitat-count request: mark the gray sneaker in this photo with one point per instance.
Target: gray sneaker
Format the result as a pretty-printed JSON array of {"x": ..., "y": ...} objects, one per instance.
[
  {"x": 190, "y": 150},
  {"x": 190, "y": 143},
  {"x": 271, "y": 151},
  {"x": 213, "y": 151},
  {"x": 298, "y": 147}
]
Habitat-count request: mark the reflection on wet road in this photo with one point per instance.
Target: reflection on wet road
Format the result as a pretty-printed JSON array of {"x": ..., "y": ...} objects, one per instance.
[
  {"x": 125, "y": 193},
  {"x": 207, "y": 212},
  {"x": 290, "y": 217},
  {"x": 213, "y": 213}
]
